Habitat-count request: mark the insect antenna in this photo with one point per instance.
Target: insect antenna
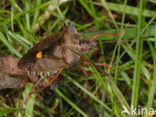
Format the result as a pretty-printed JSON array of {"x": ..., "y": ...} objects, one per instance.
[{"x": 114, "y": 41}]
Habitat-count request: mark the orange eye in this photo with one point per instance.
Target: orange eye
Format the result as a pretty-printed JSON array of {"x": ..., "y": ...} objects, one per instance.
[{"x": 39, "y": 55}]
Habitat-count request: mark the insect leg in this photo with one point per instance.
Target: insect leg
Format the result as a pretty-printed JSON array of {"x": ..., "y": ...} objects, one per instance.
[
  {"x": 45, "y": 34},
  {"x": 100, "y": 64},
  {"x": 37, "y": 83},
  {"x": 32, "y": 78},
  {"x": 48, "y": 84},
  {"x": 53, "y": 78},
  {"x": 82, "y": 69}
]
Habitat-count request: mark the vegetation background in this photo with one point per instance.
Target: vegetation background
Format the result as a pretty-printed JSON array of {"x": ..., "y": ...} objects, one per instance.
[{"x": 132, "y": 79}]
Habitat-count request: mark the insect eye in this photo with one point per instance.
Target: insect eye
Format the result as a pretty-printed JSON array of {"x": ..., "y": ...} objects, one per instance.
[{"x": 39, "y": 55}]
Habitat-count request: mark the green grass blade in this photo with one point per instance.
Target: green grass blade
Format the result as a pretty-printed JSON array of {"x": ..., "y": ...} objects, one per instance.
[
  {"x": 137, "y": 68},
  {"x": 153, "y": 88},
  {"x": 118, "y": 93},
  {"x": 30, "y": 103},
  {"x": 58, "y": 9},
  {"x": 129, "y": 10},
  {"x": 118, "y": 55},
  {"x": 88, "y": 93},
  {"x": 10, "y": 47},
  {"x": 70, "y": 102}
]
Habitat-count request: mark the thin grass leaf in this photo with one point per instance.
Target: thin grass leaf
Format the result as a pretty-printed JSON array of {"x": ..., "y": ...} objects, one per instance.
[
  {"x": 27, "y": 16},
  {"x": 118, "y": 93},
  {"x": 5, "y": 111},
  {"x": 12, "y": 14},
  {"x": 129, "y": 10},
  {"x": 87, "y": 7},
  {"x": 36, "y": 14},
  {"x": 131, "y": 52},
  {"x": 127, "y": 79},
  {"x": 118, "y": 53},
  {"x": 18, "y": 40},
  {"x": 23, "y": 39},
  {"x": 17, "y": 15},
  {"x": 70, "y": 102},
  {"x": 30, "y": 103},
  {"x": 152, "y": 89},
  {"x": 137, "y": 68},
  {"x": 10, "y": 47},
  {"x": 58, "y": 9},
  {"x": 87, "y": 92},
  {"x": 104, "y": 3}
]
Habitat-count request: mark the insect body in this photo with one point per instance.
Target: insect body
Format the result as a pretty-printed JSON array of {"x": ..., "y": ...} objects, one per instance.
[{"x": 55, "y": 52}]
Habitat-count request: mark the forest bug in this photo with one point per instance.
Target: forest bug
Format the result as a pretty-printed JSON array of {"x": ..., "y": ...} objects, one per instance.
[{"x": 56, "y": 52}]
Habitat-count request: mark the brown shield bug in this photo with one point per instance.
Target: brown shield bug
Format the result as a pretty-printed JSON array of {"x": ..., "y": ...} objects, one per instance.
[{"x": 55, "y": 52}]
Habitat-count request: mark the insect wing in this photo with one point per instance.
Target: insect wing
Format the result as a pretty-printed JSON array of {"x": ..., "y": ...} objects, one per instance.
[{"x": 45, "y": 47}]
